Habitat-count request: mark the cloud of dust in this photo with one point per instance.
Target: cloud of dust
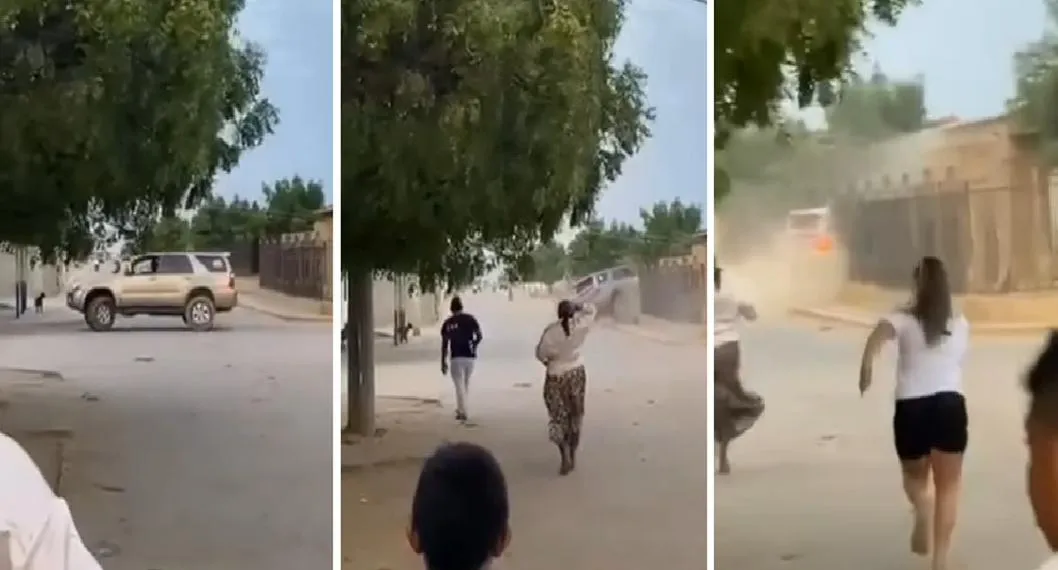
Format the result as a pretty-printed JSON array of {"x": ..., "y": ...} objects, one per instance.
[
  {"x": 765, "y": 265},
  {"x": 777, "y": 273}
]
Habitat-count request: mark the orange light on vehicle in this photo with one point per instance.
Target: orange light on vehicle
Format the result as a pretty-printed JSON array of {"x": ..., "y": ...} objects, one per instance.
[{"x": 823, "y": 244}]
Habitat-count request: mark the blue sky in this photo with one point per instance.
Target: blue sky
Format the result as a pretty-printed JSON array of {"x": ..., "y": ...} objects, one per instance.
[
  {"x": 296, "y": 36},
  {"x": 964, "y": 50},
  {"x": 667, "y": 39}
]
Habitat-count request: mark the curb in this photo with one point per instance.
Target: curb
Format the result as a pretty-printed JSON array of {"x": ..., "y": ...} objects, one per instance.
[
  {"x": 863, "y": 321},
  {"x": 654, "y": 336},
  {"x": 285, "y": 316}
]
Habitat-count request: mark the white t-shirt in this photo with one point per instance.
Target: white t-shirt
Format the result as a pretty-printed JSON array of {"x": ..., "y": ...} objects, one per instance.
[
  {"x": 923, "y": 370},
  {"x": 728, "y": 314},
  {"x": 36, "y": 529}
]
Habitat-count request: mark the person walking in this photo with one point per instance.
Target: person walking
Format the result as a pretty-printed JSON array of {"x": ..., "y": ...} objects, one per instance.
[
  {"x": 735, "y": 408},
  {"x": 565, "y": 381},
  {"x": 460, "y": 337},
  {"x": 930, "y": 421}
]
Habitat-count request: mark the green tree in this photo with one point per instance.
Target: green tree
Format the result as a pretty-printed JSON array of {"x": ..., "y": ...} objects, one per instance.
[
  {"x": 171, "y": 233},
  {"x": 1035, "y": 102},
  {"x": 668, "y": 229},
  {"x": 115, "y": 114},
  {"x": 550, "y": 263},
  {"x": 762, "y": 46},
  {"x": 599, "y": 246},
  {"x": 292, "y": 205},
  {"x": 877, "y": 108},
  {"x": 218, "y": 224},
  {"x": 470, "y": 130}
]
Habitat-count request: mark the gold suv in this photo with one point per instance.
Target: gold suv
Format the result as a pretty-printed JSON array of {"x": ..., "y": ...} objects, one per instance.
[{"x": 194, "y": 286}]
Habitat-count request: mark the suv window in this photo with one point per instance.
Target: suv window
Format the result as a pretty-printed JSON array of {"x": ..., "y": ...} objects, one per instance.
[
  {"x": 214, "y": 263},
  {"x": 623, "y": 273},
  {"x": 584, "y": 284},
  {"x": 174, "y": 264},
  {"x": 144, "y": 265}
]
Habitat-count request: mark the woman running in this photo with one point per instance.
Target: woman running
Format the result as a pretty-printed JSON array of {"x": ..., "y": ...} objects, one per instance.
[
  {"x": 566, "y": 381},
  {"x": 929, "y": 419},
  {"x": 735, "y": 408}
]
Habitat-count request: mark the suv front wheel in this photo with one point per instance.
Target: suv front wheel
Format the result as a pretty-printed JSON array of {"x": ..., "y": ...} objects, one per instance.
[
  {"x": 199, "y": 313},
  {"x": 101, "y": 313}
]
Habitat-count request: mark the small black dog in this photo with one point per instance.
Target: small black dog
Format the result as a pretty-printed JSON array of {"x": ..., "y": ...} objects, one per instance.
[{"x": 38, "y": 303}]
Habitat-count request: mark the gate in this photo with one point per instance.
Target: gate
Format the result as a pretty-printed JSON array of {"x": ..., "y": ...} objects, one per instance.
[
  {"x": 297, "y": 268},
  {"x": 674, "y": 292},
  {"x": 994, "y": 240}
]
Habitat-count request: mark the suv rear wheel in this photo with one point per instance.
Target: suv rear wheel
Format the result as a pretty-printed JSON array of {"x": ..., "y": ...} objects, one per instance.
[
  {"x": 199, "y": 313},
  {"x": 101, "y": 313}
]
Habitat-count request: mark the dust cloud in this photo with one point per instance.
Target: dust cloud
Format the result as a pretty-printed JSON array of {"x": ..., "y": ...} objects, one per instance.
[{"x": 777, "y": 272}]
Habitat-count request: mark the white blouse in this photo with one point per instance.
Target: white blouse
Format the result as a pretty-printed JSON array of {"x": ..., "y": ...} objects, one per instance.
[
  {"x": 36, "y": 529},
  {"x": 561, "y": 353}
]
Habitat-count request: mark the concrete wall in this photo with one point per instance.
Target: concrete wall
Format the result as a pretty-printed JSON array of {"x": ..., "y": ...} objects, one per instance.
[
  {"x": 423, "y": 310},
  {"x": 44, "y": 278}
]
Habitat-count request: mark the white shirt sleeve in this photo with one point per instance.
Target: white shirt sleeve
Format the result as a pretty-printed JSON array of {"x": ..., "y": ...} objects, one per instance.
[{"x": 900, "y": 321}]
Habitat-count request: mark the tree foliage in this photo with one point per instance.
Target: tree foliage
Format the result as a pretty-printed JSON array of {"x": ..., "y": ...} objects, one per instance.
[
  {"x": 668, "y": 229},
  {"x": 472, "y": 128},
  {"x": 550, "y": 263},
  {"x": 290, "y": 205},
  {"x": 771, "y": 51},
  {"x": 1035, "y": 101},
  {"x": 877, "y": 108},
  {"x": 112, "y": 114}
]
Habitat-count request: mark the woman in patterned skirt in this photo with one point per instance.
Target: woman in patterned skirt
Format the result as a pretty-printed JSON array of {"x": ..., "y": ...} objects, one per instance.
[
  {"x": 565, "y": 381},
  {"x": 735, "y": 408}
]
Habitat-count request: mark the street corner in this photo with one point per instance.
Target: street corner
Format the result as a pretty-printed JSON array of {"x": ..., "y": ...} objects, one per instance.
[
  {"x": 672, "y": 334},
  {"x": 283, "y": 313}
]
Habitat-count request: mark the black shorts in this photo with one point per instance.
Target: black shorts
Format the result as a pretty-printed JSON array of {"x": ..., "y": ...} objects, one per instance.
[{"x": 935, "y": 422}]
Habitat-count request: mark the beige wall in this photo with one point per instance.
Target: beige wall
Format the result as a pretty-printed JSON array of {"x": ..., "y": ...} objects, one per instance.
[{"x": 979, "y": 154}]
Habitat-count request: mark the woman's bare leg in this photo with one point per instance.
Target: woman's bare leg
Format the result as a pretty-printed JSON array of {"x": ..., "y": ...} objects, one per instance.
[
  {"x": 723, "y": 463},
  {"x": 916, "y": 486},
  {"x": 947, "y": 478}
]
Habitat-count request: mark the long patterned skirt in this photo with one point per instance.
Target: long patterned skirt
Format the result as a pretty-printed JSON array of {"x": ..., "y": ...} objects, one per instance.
[
  {"x": 736, "y": 409},
  {"x": 564, "y": 397}
]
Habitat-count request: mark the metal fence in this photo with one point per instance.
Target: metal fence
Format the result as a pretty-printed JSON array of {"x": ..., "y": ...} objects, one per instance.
[
  {"x": 245, "y": 257},
  {"x": 993, "y": 240},
  {"x": 674, "y": 292},
  {"x": 299, "y": 268}
]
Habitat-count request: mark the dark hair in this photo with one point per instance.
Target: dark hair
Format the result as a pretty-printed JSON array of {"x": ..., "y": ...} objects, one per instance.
[
  {"x": 1041, "y": 383},
  {"x": 460, "y": 510},
  {"x": 717, "y": 274},
  {"x": 931, "y": 305},
  {"x": 566, "y": 309},
  {"x": 456, "y": 305}
]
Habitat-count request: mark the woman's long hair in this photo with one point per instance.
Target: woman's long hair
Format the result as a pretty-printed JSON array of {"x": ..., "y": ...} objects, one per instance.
[
  {"x": 566, "y": 310},
  {"x": 932, "y": 306}
]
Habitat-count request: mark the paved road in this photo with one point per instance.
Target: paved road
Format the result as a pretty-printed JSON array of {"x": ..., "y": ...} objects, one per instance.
[
  {"x": 816, "y": 485},
  {"x": 637, "y": 499},
  {"x": 189, "y": 450}
]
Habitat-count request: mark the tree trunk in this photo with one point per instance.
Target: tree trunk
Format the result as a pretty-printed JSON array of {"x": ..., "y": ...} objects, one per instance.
[
  {"x": 352, "y": 355},
  {"x": 367, "y": 355},
  {"x": 361, "y": 355}
]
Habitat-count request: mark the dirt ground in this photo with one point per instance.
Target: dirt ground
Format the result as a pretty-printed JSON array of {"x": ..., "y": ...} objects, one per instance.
[{"x": 638, "y": 498}]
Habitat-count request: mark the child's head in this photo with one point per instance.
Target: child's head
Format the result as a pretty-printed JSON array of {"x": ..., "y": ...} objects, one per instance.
[
  {"x": 459, "y": 513},
  {"x": 1041, "y": 427}
]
